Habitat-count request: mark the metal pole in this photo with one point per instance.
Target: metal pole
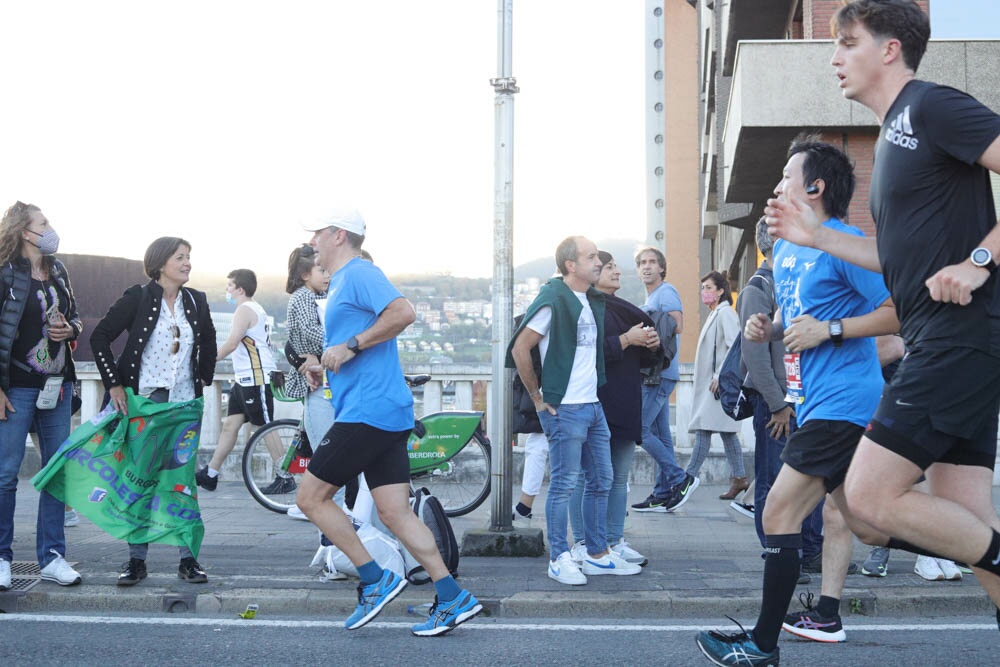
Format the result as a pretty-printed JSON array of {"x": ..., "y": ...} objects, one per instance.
[{"x": 500, "y": 425}]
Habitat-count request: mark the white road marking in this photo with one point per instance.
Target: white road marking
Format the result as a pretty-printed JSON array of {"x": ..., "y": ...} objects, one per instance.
[{"x": 480, "y": 624}]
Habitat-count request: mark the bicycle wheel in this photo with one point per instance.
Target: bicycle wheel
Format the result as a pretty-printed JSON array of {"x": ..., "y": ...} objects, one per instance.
[
  {"x": 463, "y": 482},
  {"x": 262, "y": 456}
]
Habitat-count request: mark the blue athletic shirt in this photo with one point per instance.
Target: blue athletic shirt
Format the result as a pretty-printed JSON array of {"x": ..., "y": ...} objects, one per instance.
[
  {"x": 838, "y": 384},
  {"x": 666, "y": 299},
  {"x": 370, "y": 388}
]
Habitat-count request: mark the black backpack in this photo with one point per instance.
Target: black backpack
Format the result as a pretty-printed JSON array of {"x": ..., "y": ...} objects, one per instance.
[
  {"x": 731, "y": 394},
  {"x": 429, "y": 510}
]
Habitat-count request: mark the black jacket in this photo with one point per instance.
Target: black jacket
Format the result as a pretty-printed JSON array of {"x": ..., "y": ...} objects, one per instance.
[
  {"x": 15, "y": 283},
  {"x": 621, "y": 396},
  {"x": 138, "y": 310}
]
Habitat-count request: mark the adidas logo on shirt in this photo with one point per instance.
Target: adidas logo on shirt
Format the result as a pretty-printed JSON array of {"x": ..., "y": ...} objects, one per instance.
[{"x": 900, "y": 132}]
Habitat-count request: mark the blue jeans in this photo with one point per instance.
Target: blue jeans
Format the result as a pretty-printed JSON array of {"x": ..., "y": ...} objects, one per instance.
[
  {"x": 766, "y": 464},
  {"x": 578, "y": 438},
  {"x": 656, "y": 438},
  {"x": 52, "y": 427},
  {"x": 622, "y": 453}
]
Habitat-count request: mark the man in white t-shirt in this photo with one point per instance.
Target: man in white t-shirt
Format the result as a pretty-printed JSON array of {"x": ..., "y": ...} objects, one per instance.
[{"x": 566, "y": 323}]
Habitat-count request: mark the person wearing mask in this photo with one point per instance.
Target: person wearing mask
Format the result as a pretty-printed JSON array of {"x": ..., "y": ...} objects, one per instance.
[
  {"x": 38, "y": 320},
  {"x": 707, "y": 416}
]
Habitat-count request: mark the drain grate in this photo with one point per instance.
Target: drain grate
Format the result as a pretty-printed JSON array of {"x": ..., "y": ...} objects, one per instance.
[{"x": 23, "y": 575}]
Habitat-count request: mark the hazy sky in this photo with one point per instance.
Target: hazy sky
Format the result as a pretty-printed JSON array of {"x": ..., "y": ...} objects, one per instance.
[{"x": 228, "y": 122}]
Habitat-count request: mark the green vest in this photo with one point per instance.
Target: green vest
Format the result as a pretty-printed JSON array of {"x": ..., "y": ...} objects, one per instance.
[{"x": 558, "y": 362}]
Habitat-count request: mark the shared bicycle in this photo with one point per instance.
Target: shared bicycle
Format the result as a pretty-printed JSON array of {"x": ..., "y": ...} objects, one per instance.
[{"x": 449, "y": 454}]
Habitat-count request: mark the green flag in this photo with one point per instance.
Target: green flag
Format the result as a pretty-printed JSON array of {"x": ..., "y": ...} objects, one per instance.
[{"x": 133, "y": 476}]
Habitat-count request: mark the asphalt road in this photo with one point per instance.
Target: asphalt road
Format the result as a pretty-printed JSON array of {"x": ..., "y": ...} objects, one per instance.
[{"x": 185, "y": 640}]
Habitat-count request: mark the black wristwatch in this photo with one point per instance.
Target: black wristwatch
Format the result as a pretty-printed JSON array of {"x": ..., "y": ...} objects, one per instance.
[
  {"x": 837, "y": 332},
  {"x": 352, "y": 345},
  {"x": 983, "y": 258}
]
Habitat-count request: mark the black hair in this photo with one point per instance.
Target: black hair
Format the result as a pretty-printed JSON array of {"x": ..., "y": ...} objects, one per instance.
[
  {"x": 829, "y": 164},
  {"x": 721, "y": 281},
  {"x": 302, "y": 260}
]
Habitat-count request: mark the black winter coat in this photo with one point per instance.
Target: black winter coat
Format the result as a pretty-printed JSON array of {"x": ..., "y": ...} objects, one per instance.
[
  {"x": 15, "y": 283},
  {"x": 137, "y": 311}
]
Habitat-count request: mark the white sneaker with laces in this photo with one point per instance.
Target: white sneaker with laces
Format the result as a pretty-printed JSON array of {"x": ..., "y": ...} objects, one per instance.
[
  {"x": 579, "y": 552},
  {"x": 4, "y": 575},
  {"x": 949, "y": 569},
  {"x": 610, "y": 563},
  {"x": 71, "y": 519},
  {"x": 60, "y": 572},
  {"x": 565, "y": 570},
  {"x": 628, "y": 553},
  {"x": 295, "y": 513},
  {"x": 331, "y": 573},
  {"x": 928, "y": 568}
]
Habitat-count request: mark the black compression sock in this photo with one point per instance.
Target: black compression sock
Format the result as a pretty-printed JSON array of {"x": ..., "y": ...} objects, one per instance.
[
  {"x": 991, "y": 561},
  {"x": 828, "y": 606},
  {"x": 903, "y": 545},
  {"x": 781, "y": 573}
]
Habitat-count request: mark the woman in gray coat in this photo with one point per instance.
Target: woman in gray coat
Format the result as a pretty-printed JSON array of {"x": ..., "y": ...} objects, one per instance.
[{"x": 707, "y": 417}]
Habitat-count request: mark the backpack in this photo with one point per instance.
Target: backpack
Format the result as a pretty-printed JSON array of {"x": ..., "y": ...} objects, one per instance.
[
  {"x": 666, "y": 329},
  {"x": 429, "y": 510},
  {"x": 731, "y": 393}
]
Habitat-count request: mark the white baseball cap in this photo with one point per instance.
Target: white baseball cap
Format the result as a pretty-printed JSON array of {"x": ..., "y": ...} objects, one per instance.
[{"x": 348, "y": 219}]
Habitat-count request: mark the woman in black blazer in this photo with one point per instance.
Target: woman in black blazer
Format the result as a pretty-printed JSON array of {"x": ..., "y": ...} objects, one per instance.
[{"x": 169, "y": 356}]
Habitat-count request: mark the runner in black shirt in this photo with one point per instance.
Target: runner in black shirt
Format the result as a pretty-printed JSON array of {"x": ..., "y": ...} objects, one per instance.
[{"x": 937, "y": 236}]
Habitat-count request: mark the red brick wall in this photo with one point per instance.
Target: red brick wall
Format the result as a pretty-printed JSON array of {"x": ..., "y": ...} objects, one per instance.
[
  {"x": 860, "y": 148},
  {"x": 816, "y": 16}
]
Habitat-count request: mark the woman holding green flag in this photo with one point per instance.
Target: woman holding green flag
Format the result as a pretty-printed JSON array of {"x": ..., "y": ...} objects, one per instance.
[
  {"x": 38, "y": 319},
  {"x": 170, "y": 333}
]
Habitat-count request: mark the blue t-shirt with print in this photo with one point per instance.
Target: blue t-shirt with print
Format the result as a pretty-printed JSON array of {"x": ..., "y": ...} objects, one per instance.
[
  {"x": 665, "y": 298},
  {"x": 839, "y": 384},
  {"x": 370, "y": 388}
]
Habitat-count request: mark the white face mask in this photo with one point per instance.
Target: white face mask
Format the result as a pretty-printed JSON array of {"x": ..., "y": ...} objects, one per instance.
[{"x": 48, "y": 243}]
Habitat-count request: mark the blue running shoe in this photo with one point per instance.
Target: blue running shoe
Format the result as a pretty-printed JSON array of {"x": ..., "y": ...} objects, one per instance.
[
  {"x": 373, "y": 597},
  {"x": 447, "y": 616},
  {"x": 736, "y": 649}
]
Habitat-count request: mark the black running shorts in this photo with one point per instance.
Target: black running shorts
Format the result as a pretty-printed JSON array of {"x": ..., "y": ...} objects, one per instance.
[
  {"x": 349, "y": 449},
  {"x": 255, "y": 402},
  {"x": 941, "y": 406},
  {"x": 823, "y": 448}
]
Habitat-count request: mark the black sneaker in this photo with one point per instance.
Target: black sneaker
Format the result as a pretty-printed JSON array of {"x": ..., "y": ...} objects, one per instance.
[
  {"x": 132, "y": 573},
  {"x": 204, "y": 481},
  {"x": 810, "y": 625},
  {"x": 682, "y": 492},
  {"x": 191, "y": 572},
  {"x": 652, "y": 504},
  {"x": 814, "y": 565},
  {"x": 279, "y": 485}
]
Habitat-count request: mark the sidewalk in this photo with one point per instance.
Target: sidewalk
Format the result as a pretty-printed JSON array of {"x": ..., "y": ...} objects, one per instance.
[{"x": 704, "y": 561}]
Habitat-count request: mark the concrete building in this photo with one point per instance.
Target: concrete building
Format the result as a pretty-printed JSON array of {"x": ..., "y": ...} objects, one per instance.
[{"x": 765, "y": 76}]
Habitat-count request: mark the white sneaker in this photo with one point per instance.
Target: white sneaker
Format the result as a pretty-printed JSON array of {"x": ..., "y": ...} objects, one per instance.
[
  {"x": 71, "y": 519},
  {"x": 928, "y": 568},
  {"x": 518, "y": 520},
  {"x": 331, "y": 573},
  {"x": 949, "y": 569},
  {"x": 610, "y": 563},
  {"x": 60, "y": 572},
  {"x": 578, "y": 551},
  {"x": 628, "y": 553},
  {"x": 295, "y": 513},
  {"x": 565, "y": 570},
  {"x": 4, "y": 575}
]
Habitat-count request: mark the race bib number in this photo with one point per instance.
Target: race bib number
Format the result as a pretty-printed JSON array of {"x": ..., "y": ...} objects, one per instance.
[{"x": 793, "y": 375}]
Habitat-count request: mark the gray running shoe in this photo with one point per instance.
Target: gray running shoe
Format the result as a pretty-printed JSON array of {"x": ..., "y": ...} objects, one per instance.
[{"x": 877, "y": 563}]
